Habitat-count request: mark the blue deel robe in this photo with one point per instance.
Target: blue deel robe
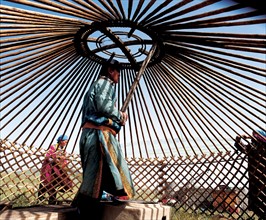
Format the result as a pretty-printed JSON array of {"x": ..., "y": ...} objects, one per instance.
[{"x": 99, "y": 148}]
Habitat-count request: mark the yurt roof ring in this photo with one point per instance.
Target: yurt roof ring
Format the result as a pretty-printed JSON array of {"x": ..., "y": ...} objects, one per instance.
[{"x": 125, "y": 40}]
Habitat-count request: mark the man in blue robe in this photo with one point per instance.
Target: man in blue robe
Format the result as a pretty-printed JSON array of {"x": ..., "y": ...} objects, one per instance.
[{"x": 104, "y": 168}]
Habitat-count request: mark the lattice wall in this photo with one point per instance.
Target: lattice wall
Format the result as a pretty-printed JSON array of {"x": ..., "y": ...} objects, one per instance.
[
  {"x": 211, "y": 184},
  {"x": 20, "y": 174}
]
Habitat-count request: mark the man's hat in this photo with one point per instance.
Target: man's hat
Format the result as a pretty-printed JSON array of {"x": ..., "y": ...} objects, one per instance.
[{"x": 113, "y": 63}]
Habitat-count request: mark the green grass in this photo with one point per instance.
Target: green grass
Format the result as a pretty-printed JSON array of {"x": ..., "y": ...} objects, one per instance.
[
  {"x": 182, "y": 215},
  {"x": 21, "y": 188}
]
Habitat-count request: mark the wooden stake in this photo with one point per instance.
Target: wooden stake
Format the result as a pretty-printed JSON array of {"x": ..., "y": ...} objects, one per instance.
[{"x": 137, "y": 79}]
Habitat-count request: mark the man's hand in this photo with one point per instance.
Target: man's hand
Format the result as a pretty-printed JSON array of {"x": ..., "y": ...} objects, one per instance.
[{"x": 124, "y": 118}]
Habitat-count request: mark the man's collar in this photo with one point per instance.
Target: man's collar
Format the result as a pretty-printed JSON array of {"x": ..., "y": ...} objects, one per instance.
[{"x": 106, "y": 78}]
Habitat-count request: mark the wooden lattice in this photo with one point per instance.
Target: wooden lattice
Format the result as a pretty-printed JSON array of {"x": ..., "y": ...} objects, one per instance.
[
  {"x": 214, "y": 183},
  {"x": 20, "y": 175}
]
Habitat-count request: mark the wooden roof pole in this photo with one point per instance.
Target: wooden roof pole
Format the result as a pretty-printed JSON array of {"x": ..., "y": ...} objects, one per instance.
[{"x": 137, "y": 79}]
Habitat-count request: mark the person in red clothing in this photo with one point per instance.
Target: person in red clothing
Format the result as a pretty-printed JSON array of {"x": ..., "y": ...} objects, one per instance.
[{"x": 54, "y": 176}]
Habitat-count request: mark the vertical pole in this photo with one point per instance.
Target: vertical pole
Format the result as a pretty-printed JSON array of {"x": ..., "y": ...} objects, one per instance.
[{"x": 137, "y": 79}]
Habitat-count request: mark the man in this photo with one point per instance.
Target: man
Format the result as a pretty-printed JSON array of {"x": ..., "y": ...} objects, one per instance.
[{"x": 104, "y": 168}]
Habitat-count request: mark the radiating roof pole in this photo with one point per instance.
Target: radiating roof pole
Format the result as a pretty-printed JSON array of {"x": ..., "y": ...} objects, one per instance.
[{"x": 137, "y": 79}]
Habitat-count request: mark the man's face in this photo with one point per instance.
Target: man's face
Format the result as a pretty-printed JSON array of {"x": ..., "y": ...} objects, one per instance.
[{"x": 114, "y": 75}]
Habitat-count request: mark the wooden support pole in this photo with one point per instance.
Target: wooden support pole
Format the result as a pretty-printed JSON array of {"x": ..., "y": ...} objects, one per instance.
[{"x": 137, "y": 79}]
